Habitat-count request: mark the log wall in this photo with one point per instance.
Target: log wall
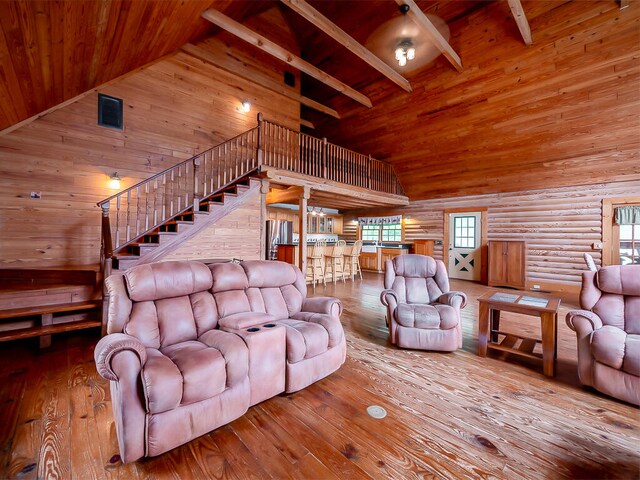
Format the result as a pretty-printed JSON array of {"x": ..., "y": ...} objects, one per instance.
[
  {"x": 558, "y": 224},
  {"x": 173, "y": 109}
]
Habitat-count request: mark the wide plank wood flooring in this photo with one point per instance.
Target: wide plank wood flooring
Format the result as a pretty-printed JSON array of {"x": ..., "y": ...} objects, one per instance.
[{"x": 449, "y": 415}]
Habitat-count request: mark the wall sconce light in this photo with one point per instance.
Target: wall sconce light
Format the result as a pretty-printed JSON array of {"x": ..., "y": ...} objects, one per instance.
[
  {"x": 246, "y": 106},
  {"x": 114, "y": 181}
]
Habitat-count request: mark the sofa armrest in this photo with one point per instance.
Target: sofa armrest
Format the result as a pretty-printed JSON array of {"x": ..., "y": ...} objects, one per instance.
[
  {"x": 385, "y": 301},
  {"x": 583, "y": 322},
  {"x": 453, "y": 298},
  {"x": 322, "y": 305},
  {"x": 110, "y": 346}
]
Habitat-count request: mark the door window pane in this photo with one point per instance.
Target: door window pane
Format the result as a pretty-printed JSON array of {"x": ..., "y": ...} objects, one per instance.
[{"x": 464, "y": 232}]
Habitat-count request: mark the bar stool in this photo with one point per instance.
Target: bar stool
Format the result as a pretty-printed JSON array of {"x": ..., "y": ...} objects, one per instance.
[
  {"x": 335, "y": 259},
  {"x": 316, "y": 260},
  {"x": 352, "y": 260}
]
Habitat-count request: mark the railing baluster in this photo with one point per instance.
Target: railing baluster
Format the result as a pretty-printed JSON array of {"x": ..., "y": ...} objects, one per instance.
[
  {"x": 137, "y": 211},
  {"x": 128, "y": 224},
  {"x": 118, "y": 221}
]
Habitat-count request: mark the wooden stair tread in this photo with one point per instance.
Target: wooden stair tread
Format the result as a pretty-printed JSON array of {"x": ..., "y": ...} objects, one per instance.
[
  {"x": 48, "y": 330},
  {"x": 42, "y": 309}
]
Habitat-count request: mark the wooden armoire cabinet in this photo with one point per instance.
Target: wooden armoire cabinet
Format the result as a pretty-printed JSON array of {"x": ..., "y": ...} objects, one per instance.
[{"x": 507, "y": 263}]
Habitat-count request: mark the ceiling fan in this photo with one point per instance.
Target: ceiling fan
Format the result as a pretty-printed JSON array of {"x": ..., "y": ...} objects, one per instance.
[{"x": 403, "y": 45}]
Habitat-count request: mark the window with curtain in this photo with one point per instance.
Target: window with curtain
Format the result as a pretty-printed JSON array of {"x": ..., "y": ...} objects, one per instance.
[
  {"x": 382, "y": 229},
  {"x": 392, "y": 232},
  {"x": 627, "y": 219},
  {"x": 371, "y": 233}
]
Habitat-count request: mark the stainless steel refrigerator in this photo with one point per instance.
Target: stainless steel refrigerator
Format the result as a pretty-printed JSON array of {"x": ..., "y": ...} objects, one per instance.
[{"x": 278, "y": 231}]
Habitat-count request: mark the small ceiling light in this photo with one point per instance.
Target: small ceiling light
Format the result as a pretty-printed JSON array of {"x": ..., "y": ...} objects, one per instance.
[
  {"x": 322, "y": 214},
  {"x": 114, "y": 181},
  {"x": 246, "y": 106},
  {"x": 405, "y": 51}
]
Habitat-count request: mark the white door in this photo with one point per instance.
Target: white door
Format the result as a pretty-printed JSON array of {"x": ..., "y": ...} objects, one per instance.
[{"x": 464, "y": 245}]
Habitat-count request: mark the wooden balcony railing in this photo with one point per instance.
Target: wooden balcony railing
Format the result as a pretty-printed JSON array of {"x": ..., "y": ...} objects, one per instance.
[
  {"x": 136, "y": 211},
  {"x": 297, "y": 152}
]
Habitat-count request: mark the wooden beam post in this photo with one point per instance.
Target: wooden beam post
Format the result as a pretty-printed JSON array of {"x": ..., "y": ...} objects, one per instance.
[
  {"x": 327, "y": 26},
  {"x": 280, "y": 53},
  {"x": 302, "y": 228},
  {"x": 264, "y": 191},
  {"x": 432, "y": 32},
  {"x": 521, "y": 20}
]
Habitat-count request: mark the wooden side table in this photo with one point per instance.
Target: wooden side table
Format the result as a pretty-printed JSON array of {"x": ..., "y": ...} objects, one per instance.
[{"x": 492, "y": 303}]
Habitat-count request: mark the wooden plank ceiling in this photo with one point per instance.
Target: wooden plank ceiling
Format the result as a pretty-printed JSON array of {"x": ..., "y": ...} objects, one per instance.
[
  {"x": 51, "y": 52},
  {"x": 516, "y": 117}
]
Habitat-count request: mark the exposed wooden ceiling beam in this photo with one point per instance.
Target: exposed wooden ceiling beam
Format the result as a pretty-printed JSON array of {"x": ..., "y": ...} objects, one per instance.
[
  {"x": 432, "y": 32},
  {"x": 327, "y": 26},
  {"x": 255, "y": 77},
  {"x": 280, "y": 53},
  {"x": 306, "y": 123},
  {"x": 521, "y": 20},
  {"x": 287, "y": 195}
]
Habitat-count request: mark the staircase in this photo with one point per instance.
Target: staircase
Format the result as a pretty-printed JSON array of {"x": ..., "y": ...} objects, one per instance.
[
  {"x": 156, "y": 243},
  {"x": 140, "y": 224}
]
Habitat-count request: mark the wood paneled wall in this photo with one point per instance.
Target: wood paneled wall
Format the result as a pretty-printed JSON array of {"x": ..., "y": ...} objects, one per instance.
[
  {"x": 564, "y": 111},
  {"x": 558, "y": 224},
  {"x": 237, "y": 235},
  {"x": 173, "y": 109}
]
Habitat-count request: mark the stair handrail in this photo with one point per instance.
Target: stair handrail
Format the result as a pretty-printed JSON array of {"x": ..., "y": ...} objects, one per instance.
[{"x": 191, "y": 159}]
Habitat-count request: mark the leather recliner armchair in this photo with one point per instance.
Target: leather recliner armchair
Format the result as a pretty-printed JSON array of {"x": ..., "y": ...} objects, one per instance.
[
  {"x": 608, "y": 331},
  {"x": 421, "y": 311}
]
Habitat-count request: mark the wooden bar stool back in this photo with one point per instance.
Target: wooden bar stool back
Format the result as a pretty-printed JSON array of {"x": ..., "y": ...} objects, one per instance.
[
  {"x": 335, "y": 260},
  {"x": 352, "y": 260},
  {"x": 315, "y": 261}
]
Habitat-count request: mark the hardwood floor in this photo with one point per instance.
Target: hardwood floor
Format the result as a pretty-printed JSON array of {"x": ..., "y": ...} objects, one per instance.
[{"x": 449, "y": 415}]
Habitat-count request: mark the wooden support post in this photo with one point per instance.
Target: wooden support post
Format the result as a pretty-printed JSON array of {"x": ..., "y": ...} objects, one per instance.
[
  {"x": 264, "y": 191},
  {"x": 259, "y": 153},
  {"x": 45, "y": 340},
  {"x": 196, "y": 193},
  {"x": 369, "y": 172},
  {"x": 302, "y": 218}
]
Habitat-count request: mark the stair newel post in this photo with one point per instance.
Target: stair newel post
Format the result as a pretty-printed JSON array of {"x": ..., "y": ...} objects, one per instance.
[
  {"x": 106, "y": 261},
  {"x": 260, "y": 152},
  {"x": 324, "y": 157},
  {"x": 196, "y": 183}
]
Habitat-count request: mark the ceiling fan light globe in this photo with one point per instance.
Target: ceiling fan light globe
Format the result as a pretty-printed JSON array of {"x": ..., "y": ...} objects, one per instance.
[
  {"x": 411, "y": 53},
  {"x": 402, "y": 61},
  {"x": 399, "y": 53}
]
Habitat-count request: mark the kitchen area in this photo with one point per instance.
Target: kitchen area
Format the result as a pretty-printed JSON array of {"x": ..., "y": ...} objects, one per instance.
[{"x": 329, "y": 225}]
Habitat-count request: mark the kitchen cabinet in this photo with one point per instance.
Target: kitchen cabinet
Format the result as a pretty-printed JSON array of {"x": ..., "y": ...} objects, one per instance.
[
  {"x": 287, "y": 253},
  {"x": 507, "y": 263},
  {"x": 423, "y": 246},
  {"x": 369, "y": 261},
  {"x": 390, "y": 254},
  {"x": 324, "y": 224},
  {"x": 286, "y": 215},
  {"x": 375, "y": 261}
]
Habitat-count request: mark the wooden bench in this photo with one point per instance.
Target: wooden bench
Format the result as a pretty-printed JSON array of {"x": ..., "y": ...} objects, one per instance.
[{"x": 47, "y": 327}]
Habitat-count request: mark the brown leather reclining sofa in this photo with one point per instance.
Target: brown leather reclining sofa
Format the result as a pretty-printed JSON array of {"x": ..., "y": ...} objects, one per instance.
[{"x": 191, "y": 347}]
